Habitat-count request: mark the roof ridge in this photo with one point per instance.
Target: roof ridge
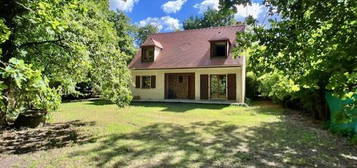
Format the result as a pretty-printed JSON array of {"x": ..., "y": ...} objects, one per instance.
[{"x": 183, "y": 31}]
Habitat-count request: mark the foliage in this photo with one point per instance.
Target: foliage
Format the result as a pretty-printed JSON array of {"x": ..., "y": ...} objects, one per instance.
[
  {"x": 142, "y": 33},
  {"x": 252, "y": 86},
  {"x": 210, "y": 18},
  {"x": 4, "y": 32},
  {"x": 69, "y": 42},
  {"x": 125, "y": 31},
  {"x": 277, "y": 86},
  {"x": 230, "y": 5},
  {"x": 312, "y": 45},
  {"x": 27, "y": 90}
]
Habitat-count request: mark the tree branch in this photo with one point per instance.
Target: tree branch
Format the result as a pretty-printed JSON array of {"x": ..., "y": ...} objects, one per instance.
[
  {"x": 40, "y": 42},
  {"x": 3, "y": 63},
  {"x": 23, "y": 6}
]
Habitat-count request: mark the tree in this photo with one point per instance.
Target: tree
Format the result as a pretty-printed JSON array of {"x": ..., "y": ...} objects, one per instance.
[
  {"x": 312, "y": 46},
  {"x": 210, "y": 18},
  {"x": 125, "y": 32},
  {"x": 67, "y": 42},
  {"x": 144, "y": 32}
]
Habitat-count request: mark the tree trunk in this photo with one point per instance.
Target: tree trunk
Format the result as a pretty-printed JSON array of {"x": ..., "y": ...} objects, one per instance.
[
  {"x": 324, "y": 112},
  {"x": 2, "y": 119},
  {"x": 321, "y": 111}
]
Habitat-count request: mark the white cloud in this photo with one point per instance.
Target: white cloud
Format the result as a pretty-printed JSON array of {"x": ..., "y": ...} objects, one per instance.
[
  {"x": 254, "y": 10},
  {"x": 173, "y": 6},
  {"x": 123, "y": 5},
  {"x": 165, "y": 23},
  {"x": 207, "y": 4}
]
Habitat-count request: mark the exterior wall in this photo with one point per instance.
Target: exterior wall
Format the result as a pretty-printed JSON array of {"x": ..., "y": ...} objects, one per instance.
[
  {"x": 157, "y": 51},
  {"x": 158, "y": 93}
]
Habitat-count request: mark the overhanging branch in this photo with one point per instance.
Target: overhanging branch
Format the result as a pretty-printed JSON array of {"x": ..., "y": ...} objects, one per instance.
[{"x": 40, "y": 42}]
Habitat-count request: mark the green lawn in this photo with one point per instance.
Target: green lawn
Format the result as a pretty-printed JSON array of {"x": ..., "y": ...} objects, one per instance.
[{"x": 99, "y": 134}]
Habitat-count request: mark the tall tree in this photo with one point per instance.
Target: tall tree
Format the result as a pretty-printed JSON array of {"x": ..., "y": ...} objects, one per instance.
[
  {"x": 125, "y": 32},
  {"x": 312, "y": 46},
  {"x": 144, "y": 32},
  {"x": 210, "y": 18},
  {"x": 68, "y": 42}
]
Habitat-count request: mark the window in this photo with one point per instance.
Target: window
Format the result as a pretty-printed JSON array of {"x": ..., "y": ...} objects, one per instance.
[
  {"x": 218, "y": 86},
  {"x": 180, "y": 79},
  {"x": 147, "y": 82},
  {"x": 147, "y": 54},
  {"x": 219, "y": 49}
]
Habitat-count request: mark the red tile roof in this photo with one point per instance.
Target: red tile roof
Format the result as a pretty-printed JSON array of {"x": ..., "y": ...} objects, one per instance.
[{"x": 189, "y": 49}]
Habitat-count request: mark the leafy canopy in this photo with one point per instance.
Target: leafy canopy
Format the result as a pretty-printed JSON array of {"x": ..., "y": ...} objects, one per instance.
[
  {"x": 65, "y": 42},
  {"x": 142, "y": 33},
  {"x": 125, "y": 32},
  {"x": 313, "y": 45},
  {"x": 210, "y": 18}
]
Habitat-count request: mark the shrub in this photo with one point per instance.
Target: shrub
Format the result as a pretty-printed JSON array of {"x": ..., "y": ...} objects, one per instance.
[
  {"x": 277, "y": 86},
  {"x": 24, "y": 89}
]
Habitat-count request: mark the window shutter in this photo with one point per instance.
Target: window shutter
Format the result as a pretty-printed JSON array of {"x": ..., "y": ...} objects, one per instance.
[
  {"x": 143, "y": 54},
  {"x": 191, "y": 86},
  {"x": 153, "y": 81},
  {"x": 204, "y": 87},
  {"x": 227, "y": 49},
  {"x": 211, "y": 49},
  {"x": 232, "y": 85},
  {"x": 137, "y": 82}
]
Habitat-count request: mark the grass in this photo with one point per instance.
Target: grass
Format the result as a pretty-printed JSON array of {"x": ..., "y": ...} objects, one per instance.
[{"x": 99, "y": 134}]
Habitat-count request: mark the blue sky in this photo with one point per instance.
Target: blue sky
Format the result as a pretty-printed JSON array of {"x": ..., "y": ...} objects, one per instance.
[{"x": 168, "y": 15}]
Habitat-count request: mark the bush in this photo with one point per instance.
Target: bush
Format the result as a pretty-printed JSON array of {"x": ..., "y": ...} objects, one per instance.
[
  {"x": 277, "y": 86},
  {"x": 83, "y": 90},
  {"x": 252, "y": 86},
  {"x": 24, "y": 89}
]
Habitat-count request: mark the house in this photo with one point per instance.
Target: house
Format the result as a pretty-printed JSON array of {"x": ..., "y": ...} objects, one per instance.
[{"x": 191, "y": 65}]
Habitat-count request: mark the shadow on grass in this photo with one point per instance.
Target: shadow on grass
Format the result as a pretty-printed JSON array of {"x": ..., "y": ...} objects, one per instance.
[
  {"x": 43, "y": 138},
  {"x": 100, "y": 102},
  {"x": 261, "y": 107},
  {"x": 219, "y": 144},
  {"x": 179, "y": 107},
  {"x": 171, "y": 107}
]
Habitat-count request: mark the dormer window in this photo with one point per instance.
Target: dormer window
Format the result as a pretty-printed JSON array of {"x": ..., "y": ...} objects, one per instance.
[
  {"x": 219, "y": 49},
  {"x": 148, "y": 54},
  {"x": 150, "y": 50}
]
